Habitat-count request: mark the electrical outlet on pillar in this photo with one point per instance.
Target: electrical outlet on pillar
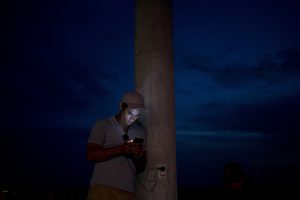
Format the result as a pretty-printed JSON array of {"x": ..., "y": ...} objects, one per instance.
[{"x": 161, "y": 171}]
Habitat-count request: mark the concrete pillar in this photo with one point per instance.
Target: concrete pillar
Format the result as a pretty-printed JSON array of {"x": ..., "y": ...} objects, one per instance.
[{"x": 155, "y": 80}]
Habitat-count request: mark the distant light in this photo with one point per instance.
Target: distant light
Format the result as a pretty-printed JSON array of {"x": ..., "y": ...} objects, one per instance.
[{"x": 4, "y": 191}]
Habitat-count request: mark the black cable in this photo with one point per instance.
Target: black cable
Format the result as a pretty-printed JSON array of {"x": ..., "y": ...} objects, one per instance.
[{"x": 147, "y": 178}]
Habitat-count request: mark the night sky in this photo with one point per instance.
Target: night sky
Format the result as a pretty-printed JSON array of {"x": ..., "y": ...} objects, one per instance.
[{"x": 66, "y": 64}]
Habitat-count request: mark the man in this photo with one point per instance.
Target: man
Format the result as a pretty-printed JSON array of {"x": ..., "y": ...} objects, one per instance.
[
  {"x": 116, "y": 156},
  {"x": 237, "y": 184}
]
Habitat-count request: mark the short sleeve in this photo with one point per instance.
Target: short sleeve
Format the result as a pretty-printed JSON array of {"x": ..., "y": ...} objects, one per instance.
[{"x": 97, "y": 134}]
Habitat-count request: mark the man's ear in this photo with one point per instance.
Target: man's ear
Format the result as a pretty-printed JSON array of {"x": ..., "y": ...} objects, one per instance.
[{"x": 123, "y": 106}]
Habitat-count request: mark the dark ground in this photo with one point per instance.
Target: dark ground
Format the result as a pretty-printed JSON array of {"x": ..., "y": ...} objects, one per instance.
[
  {"x": 183, "y": 194},
  {"x": 219, "y": 194}
]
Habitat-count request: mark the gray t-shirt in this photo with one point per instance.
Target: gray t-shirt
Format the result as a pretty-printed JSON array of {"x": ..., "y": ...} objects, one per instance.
[{"x": 118, "y": 172}]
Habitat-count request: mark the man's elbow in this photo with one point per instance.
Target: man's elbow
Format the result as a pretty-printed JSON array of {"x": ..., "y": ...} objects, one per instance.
[
  {"x": 92, "y": 150},
  {"x": 90, "y": 157}
]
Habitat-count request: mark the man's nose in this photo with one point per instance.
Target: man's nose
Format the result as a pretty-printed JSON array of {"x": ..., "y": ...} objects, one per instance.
[{"x": 133, "y": 117}]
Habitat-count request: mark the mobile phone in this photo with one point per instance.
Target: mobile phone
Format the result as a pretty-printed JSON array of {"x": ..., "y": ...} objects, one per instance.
[{"x": 138, "y": 140}]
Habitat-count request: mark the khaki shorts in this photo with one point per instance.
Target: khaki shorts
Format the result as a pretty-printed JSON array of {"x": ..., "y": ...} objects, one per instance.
[{"x": 102, "y": 192}]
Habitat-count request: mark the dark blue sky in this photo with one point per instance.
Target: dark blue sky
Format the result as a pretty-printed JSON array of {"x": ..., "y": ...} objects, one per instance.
[{"x": 65, "y": 64}]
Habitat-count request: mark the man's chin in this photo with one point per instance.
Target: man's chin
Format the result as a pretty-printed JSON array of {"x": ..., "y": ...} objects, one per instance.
[{"x": 129, "y": 124}]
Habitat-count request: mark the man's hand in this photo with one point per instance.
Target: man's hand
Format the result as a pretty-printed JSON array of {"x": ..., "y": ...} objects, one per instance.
[
  {"x": 137, "y": 153},
  {"x": 133, "y": 149}
]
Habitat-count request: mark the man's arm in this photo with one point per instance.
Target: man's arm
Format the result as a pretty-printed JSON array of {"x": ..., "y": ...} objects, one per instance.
[{"x": 97, "y": 153}]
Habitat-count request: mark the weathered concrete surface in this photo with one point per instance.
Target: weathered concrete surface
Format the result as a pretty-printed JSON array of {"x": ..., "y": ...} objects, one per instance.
[{"x": 154, "y": 78}]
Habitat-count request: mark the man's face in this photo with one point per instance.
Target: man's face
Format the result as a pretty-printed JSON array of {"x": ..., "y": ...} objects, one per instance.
[{"x": 131, "y": 115}]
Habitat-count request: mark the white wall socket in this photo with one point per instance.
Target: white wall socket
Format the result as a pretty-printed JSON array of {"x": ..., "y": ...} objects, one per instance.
[{"x": 161, "y": 171}]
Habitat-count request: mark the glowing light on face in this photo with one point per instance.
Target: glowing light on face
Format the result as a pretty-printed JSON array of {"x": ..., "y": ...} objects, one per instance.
[{"x": 131, "y": 115}]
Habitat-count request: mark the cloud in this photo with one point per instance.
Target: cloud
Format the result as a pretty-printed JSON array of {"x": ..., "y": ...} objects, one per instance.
[
  {"x": 274, "y": 117},
  {"x": 236, "y": 73}
]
